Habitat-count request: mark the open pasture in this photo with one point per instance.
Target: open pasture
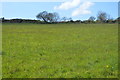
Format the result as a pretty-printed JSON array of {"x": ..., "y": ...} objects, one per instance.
[{"x": 59, "y": 50}]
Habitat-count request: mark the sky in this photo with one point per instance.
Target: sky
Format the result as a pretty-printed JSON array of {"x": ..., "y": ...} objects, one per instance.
[{"x": 76, "y": 9}]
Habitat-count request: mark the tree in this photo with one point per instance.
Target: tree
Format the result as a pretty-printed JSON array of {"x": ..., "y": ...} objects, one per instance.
[
  {"x": 70, "y": 19},
  {"x": 110, "y": 19},
  {"x": 117, "y": 20},
  {"x": 48, "y": 17},
  {"x": 78, "y": 21},
  {"x": 42, "y": 15},
  {"x": 92, "y": 18},
  {"x": 64, "y": 19},
  {"x": 102, "y": 16},
  {"x": 56, "y": 17}
]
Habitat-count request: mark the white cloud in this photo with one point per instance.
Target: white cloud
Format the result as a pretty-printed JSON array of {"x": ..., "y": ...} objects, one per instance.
[
  {"x": 68, "y": 5},
  {"x": 83, "y": 9}
]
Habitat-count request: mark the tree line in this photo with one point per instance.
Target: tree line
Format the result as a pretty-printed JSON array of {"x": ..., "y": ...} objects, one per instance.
[{"x": 50, "y": 18}]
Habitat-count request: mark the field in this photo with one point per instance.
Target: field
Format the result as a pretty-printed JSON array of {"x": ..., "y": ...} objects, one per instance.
[
  {"x": 0, "y": 67},
  {"x": 60, "y": 50},
  {"x": 0, "y": 51}
]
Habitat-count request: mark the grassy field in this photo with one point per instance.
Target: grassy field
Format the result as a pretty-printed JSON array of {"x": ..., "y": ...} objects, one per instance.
[
  {"x": 0, "y": 50},
  {"x": 0, "y": 67},
  {"x": 60, "y": 51}
]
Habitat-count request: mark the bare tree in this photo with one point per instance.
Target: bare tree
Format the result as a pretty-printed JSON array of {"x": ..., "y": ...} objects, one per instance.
[
  {"x": 48, "y": 17},
  {"x": 56, "y": 17},
  {"x": 42, "y": 15},
  {"x": 64, "y": 19},
  {"x": 102, "y": 16}
]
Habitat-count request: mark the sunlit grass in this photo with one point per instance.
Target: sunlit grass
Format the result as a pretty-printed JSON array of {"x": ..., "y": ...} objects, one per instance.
[
  {"x": 0, "y": 67},
  {"x": 0, "y": 51},
  {"x": 60, "y": 50}
]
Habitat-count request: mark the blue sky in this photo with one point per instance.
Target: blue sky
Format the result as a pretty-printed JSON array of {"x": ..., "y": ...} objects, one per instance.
[{"x": 29, "y": 10}]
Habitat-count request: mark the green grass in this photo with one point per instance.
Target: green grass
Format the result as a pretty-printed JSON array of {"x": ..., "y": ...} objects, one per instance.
[
  {"x": 60, "y": 51},
  {"x": 0, "y": 67},
  {"x": 0, "y": 51}
]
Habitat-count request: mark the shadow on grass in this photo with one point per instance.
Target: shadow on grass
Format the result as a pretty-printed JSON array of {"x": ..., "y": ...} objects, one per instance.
[{"x": 2, "y": 53}]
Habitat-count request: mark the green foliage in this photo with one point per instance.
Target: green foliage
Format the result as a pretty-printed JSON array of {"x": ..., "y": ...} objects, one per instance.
[{"x": 60, "y": 50}]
